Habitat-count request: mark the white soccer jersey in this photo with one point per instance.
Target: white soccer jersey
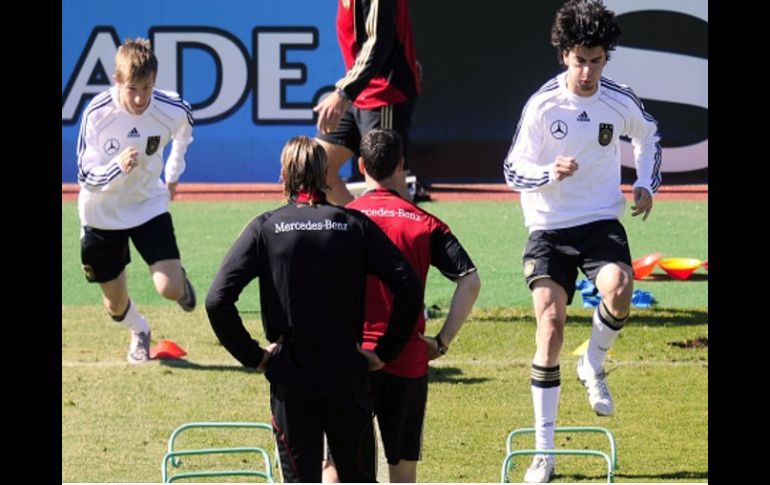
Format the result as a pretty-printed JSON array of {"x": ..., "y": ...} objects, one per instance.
[
  {"x": 557, "y": 122},
  {"x": 110, "y": 198}
]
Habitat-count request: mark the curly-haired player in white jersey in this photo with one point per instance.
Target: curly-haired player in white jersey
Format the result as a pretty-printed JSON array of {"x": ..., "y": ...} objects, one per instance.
[
  {"x": 120, "y": 159},
  {"x": 565, "y": 161}
]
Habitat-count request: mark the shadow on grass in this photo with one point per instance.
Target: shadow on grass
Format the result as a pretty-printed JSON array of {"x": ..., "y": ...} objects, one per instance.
[
  {"x": 664, "y": 277},
  {"x": 450, "y": 375},
  {"x": 659, "y": 477},
  {"x": 680, "y": 475},
  {"x": 186, "y": 364},
  {"x": 581, "y": 316},
  {"x": 672, "y": 317}
]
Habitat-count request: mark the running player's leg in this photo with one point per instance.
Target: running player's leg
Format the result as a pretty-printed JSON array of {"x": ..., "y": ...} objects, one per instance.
[
  {"x": 156, "y": 242},
  {"x": 168, "y": 278},
  {"x": 125, "y": 313},
  {"x": 104, "y": 255},
  {"x": 550, "y": 275},
  {"x": 608, "y": 265}
]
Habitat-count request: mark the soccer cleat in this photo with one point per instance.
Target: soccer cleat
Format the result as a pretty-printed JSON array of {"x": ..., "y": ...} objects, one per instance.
[
  {"x": 416, "y": 190},
  {"x": 139, "y": 350},
  {"x": 542, "y": 469},
  {"x": 596, "y": 384},
  {"x": 187, "y": 302}
]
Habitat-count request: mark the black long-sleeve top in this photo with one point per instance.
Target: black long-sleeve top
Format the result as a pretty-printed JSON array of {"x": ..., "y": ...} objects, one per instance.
[{"x": 312, "y": 262}]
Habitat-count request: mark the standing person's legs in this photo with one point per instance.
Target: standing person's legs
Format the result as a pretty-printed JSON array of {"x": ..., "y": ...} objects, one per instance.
[
  {"x": 396, "y": 117},
  {"x": 328, "y": 470},
  {"x": 348, "y": 425},
  {"x": 298, "y": 434},
  {"x": 340, "y": 146},
  {"x": 105, "y": 254},
  {"x": 344, "y": 142},
  {"x": 399, "y": 403},
  {"x": 336, "y": 155},
  {"x": 403, "y": 472}
]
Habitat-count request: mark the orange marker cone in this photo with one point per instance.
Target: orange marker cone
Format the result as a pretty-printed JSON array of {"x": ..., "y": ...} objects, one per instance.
[
  {"x": 643, "y": 266},
  {"x": 167, "y": 349}
]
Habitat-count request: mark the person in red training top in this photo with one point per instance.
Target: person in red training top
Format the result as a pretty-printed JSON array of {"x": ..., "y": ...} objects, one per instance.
[
  {"x": 400, "y": 389},
  {"x": 379, "y": 88},
  {"x": 312, "y": 259}
]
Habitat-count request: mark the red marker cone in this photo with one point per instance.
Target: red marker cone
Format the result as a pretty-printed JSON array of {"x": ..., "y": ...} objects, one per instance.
[{"x": 167, "y": 349}]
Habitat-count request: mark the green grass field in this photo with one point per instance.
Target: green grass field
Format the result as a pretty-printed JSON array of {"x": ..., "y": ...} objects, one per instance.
[{"x": 116, "y": 418}]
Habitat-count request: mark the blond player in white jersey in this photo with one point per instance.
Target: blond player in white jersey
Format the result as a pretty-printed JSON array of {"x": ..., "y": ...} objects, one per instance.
[
  {"x": 565, "y": 160},
  {"x": 120, "y": 159}
]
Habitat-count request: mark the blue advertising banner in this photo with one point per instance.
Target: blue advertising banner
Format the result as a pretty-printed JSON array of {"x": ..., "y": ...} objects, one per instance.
[{"x": 251, "y": 69}]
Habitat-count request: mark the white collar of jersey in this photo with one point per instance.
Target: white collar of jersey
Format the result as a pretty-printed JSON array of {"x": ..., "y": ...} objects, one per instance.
[{"x": 574, "y": 97}]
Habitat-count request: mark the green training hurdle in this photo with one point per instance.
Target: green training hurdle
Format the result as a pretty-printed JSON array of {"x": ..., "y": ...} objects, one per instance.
[
  {"x": 611, "y": 459},
  {"x": 173, "y": 454}
]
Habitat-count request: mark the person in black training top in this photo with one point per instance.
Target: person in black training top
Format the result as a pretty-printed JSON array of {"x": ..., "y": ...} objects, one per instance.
[{"x": 312, "y": 259}]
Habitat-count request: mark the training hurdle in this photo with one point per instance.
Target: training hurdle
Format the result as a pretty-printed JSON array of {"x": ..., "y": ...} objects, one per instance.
[
  {"x": 173, "y": 454},
  {"x": 611, "y": 459}
]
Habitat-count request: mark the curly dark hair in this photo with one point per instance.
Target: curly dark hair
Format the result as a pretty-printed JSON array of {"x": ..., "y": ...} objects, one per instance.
[{"x": 584, "y": 23}]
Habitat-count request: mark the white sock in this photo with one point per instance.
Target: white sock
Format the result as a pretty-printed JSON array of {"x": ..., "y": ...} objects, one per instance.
[
  {"x": 132, "y": 319},
  {"x": 603, "y": 334},
  {"x": 546, "y": 388}
]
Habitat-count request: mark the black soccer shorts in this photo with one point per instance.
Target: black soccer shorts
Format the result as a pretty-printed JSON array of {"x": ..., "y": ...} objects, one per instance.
[
  {"x": 557, "y": 254},
  {"x": 356, "y": 122},
  {"x": 105, "y": 252}
]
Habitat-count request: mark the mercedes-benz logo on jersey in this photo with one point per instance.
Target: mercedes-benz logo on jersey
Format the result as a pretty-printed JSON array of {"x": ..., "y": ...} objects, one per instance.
[
  {"x": 111, "y": 146},
  {"x": 558, "y": 129}
]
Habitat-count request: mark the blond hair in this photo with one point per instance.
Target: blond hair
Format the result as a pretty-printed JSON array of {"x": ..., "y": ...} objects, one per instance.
[
  {"x": 135, "y": 61},
  {"x": 303, "y": 165}
]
